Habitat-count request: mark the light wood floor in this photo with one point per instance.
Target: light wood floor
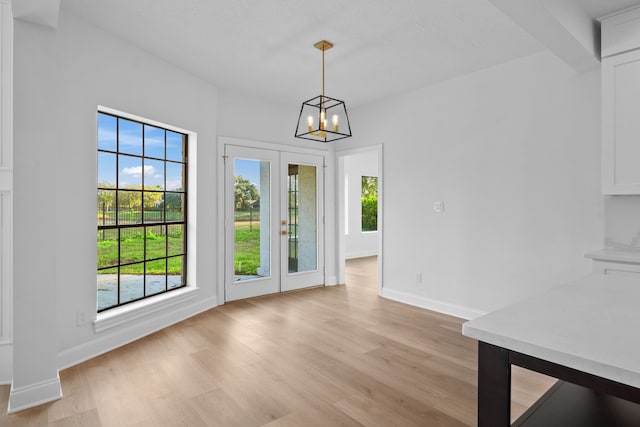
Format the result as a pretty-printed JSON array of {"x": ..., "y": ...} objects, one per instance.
[{"x": 335, "y": 356}]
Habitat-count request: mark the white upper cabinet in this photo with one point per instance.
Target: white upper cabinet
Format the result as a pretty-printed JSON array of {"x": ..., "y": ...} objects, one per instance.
[{"x": 621, "y": 102}]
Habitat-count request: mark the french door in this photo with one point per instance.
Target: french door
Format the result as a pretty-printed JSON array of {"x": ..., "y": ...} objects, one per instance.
[{"x": 274, "y": 239}]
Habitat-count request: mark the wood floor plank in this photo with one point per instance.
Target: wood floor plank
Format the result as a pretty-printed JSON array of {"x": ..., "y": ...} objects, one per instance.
[
  {"x": 333, "y": 356},
  {"x": 309, "y": 381},
  {"x": 78, "y": 397},
  {"x": 217, "y": 408},
  {"x": 169, "y": 412},
  {"x": 81, "y": 419},
  {"x": 186, "y": 376},
  {"x": 369, "y": 412},
  {"x": 317, "y": 415}
]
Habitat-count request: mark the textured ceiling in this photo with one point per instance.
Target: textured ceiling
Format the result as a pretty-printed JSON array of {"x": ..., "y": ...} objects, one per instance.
[{"x": 265, "y": 47}]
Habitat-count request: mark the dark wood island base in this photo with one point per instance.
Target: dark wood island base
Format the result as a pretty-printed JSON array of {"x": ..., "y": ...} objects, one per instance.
[{"x": 578, "y": 399}]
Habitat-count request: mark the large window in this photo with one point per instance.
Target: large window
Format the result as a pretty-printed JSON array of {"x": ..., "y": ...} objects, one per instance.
[{"x": 142, "y": 210}]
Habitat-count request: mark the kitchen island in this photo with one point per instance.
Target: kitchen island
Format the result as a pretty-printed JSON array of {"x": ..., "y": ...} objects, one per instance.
[{"x": 585, "y": 333}]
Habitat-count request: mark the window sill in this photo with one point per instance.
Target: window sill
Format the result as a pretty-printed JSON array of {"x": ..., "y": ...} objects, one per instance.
[{"x": 134, "y": 311}]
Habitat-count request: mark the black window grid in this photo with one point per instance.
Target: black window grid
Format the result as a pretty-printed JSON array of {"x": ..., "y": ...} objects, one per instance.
[{"x": 164, "y": 223}]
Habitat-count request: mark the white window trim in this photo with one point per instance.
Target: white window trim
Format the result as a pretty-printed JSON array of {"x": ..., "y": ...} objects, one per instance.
[{"x": 129, "y": 313}]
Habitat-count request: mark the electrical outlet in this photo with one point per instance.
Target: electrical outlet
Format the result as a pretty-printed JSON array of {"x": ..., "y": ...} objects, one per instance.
[
  {"x": 438, "y": 206},
  {"x": 419, "y": 277}
]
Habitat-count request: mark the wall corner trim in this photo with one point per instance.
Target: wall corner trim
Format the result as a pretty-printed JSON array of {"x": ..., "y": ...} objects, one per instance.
[
  {"x": 35, "y": 394},
  {"x": 432, "y": 304}
]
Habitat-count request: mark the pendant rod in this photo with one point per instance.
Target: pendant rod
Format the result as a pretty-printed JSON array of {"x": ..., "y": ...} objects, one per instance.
[
  {"x": 322, "y": 73},
  {"x": 323, "y": 45}
]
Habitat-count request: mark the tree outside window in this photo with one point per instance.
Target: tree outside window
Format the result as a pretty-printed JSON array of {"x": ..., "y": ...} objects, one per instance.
[{"x": 369, "y": 203}]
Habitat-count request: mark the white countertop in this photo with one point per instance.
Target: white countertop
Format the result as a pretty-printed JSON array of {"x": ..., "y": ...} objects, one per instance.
[{"x": 591, "y": 324}]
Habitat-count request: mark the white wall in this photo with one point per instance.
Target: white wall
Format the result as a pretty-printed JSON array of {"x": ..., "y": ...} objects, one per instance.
[
  {"x": 95, "y": 68},
  {"x": 87, "y": 67},
  {"x": 357, "y": 242},
  {"x": 622, "y": 222},
  {"x": 247, "y": 117},
  {"x": 514, "y": 153}
]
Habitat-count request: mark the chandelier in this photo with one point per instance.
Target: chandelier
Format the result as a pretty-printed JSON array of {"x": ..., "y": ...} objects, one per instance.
[{"x": 316, "y": 112}]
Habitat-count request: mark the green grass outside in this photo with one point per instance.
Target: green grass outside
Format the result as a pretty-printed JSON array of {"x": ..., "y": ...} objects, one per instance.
[
  {"x": 247, "y": 248},
  {"x": 247, "y": 251},
  {"x": 247, "y": 214},
  {"x": 132, "y": 250}
]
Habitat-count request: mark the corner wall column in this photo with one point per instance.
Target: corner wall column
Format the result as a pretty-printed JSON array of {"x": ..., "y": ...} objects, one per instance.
[
  {"x": 6, "y": 190},
  {"x": 35, "y": 344}
]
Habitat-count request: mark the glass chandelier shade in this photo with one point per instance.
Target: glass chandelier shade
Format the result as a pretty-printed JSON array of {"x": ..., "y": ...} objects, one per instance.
[{"x": 323, "y": 118}]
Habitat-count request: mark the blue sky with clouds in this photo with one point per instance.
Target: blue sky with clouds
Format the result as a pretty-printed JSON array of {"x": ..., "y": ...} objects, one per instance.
[{"x": 131, "y": 169}]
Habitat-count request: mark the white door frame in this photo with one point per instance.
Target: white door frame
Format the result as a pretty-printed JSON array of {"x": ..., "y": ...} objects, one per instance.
[
  {"x": 324, "y": 151},
  {"x": 340, "y": 155}
]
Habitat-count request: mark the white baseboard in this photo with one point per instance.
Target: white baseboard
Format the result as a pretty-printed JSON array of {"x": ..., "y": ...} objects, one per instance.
[
  {"x": 431, "y": 304},
  {"x": 117, "y": 337},
  {"x": 34, "y": 394},
  {"x": 6, "y": 363}
]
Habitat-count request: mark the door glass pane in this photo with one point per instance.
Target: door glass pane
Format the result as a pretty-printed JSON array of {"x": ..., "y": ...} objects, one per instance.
[
  {"x": 302, "y": 218},
  {"x": 251, "y": 218}
]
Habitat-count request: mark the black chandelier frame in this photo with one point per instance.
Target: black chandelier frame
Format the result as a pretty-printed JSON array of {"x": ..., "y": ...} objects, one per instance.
[{"x": 317, "y": 105}]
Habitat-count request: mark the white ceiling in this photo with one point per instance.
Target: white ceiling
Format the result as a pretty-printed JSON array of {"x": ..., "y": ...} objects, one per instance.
[
  {"x": 599, "y": 8},
  {"x": 382, "y": 47}
]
